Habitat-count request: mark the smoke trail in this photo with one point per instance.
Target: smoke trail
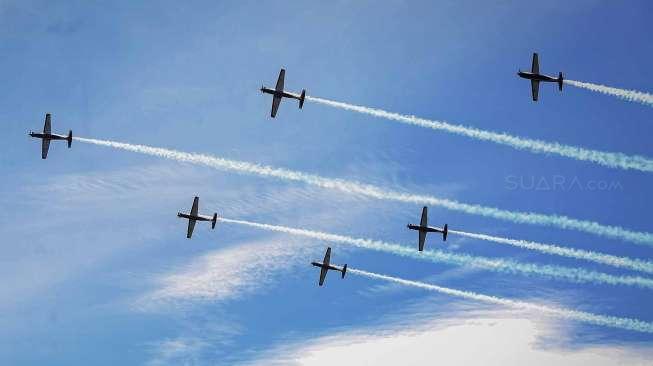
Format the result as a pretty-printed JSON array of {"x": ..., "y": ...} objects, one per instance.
[
  {"x": 581, "y": 316},
  {"x": 629, "y": 95},
  {"x": 605, "y": 158},
  {"x": 602, "y": 258},
  {"x": 371, "y": 191},
  {"x": 437, "y": 256}
]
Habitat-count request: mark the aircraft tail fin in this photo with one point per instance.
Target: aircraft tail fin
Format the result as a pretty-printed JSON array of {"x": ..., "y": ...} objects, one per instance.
[
  {"x": 301, "y": 98},
  {"x": 214, "y": 221},
  {"x": 344, "y": 270},
  {"x": 70, "y": 138},
  {"x": 445, "y": 231},
  {"x": 560, "y": 79}
]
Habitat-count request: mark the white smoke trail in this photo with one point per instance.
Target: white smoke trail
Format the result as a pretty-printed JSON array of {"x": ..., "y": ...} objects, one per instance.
[
  {"x": 602, "y": 258},
  {"x": 605, "y": 158},
  {"x": 371, "y": 191},
  {"x": 577, "y": 275},
  {"x": 629, "y": 95},
  {"x": 581, "y": 316}
]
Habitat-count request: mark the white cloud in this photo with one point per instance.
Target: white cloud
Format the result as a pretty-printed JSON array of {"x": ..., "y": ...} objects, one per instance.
[
  {"x": 228, "y": 273},
  {"x": 182, "y": 351},
  {"x": 490, "y": 339},
  {"x": 80, "y": 226},
  {"x": 94, "y": 212}
]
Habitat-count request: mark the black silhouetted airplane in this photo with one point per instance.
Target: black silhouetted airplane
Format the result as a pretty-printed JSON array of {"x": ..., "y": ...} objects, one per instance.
[
  {"x": 424, "y": 228},
  {"x": 535, "y": 77},
  {"x": 47, "y": 136},
  {"x": 194, "y": 217},
  {"x": 278, "y": 93},
  {"x": 325, "y": 266}
]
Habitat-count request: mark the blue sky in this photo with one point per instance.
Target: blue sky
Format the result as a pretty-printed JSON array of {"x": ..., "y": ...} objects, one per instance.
[{"x": 96, "y": 265}]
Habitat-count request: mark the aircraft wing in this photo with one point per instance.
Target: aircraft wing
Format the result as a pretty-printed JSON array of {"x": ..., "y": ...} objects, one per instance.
[
  {"x": 47, "y": 128},
  {"x": 422, "y": 239},
  {"x": 327, "y": 257},
  {"x": 193, "y": 210},
  {"x": 535, "y": 87},
  {"x": 282, "y": 75},
  {"x": 191, "y": 226},
  {"x": 275, "y": 105},
  {"x": 424, "y": 220},
  {"x": 45, "y": 146},
  {"x": 323, "y": 273},
  {"x": 536, "y": 64}
]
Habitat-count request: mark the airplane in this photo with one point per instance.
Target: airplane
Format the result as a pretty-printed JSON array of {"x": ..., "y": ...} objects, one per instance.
[
  {"x": 193, "y": 217},
  {"x": 279, "y": 93},
  {"x": 47, "y": 136},
  {"x": 325, "y": 266},
  {"x": 535, "y": 77},
  {"x": 424, "y": 228}
]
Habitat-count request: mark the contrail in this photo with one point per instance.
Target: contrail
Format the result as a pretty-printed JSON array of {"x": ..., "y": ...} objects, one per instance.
[
  {"x": 629, "y": 95},
  {"x": 371, "y": 191},
  {"x": 605, "y": 158},
  {"x": 581, "y": 316},
  {"x": 588, "y": 255},
  {"x": 577, "y": 275}
]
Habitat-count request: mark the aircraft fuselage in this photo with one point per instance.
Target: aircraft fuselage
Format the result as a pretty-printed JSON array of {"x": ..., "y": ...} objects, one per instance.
[
  {"x": 537, "y": 77},
  {"x": 196, "y": 218},
  {"x": 279, "y": 93},
  {"x": 48, "y": 136},
  {"x": 322, "y": 265},
  {"x": 427, "y": 229}
]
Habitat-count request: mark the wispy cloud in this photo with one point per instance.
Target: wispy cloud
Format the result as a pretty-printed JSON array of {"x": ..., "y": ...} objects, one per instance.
[
  {"x": 227, "y": 274},
  {"x": 180, "y": 351},
  {"x": 60, "y": 238}
]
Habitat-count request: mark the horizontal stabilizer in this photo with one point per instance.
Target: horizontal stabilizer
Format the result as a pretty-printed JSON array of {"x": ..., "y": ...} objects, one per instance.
[
  {"x": 445, "y": 232},
  {"x": 560, "y": 80},
  {"x": 344, "y": 270},
  {"x": 215, "y": 219},
  {"x": 70, "y": 138}
]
